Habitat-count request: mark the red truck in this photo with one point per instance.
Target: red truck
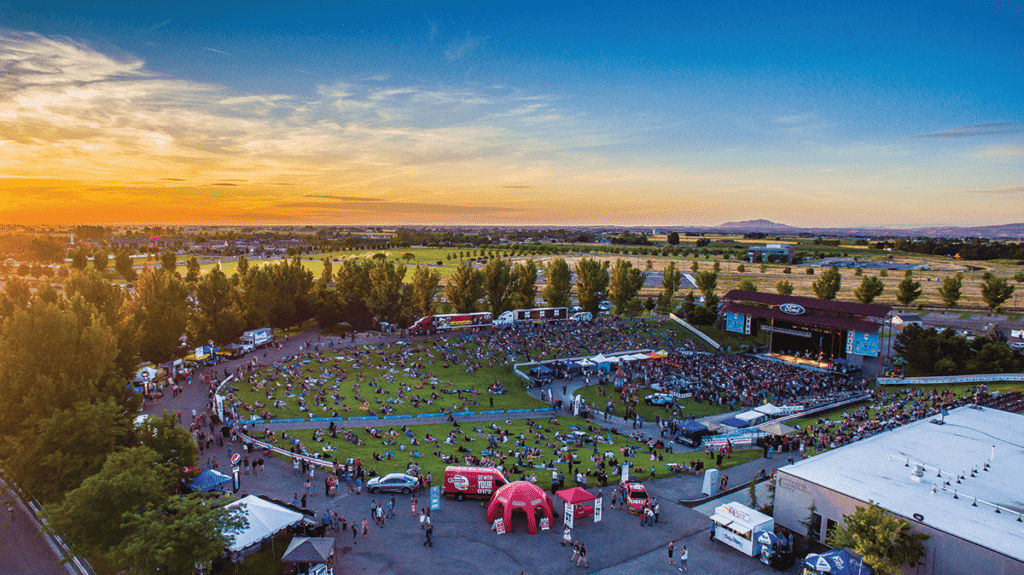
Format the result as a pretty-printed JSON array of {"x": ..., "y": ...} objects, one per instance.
[
  {"x": 441, "y": 323},
  {"x": 462, "y": 481}
]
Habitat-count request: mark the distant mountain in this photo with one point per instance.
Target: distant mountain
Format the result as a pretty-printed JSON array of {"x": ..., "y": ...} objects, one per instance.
[{"x": 757, "y": 226}]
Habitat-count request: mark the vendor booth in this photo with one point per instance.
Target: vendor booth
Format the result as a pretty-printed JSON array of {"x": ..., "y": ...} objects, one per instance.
[
  {"x": 264, "y": 520},
  {"x": 576, "y": 502},
  {"x": 776, "y": 552},
  {"x": 739, "y": 527},
  {"x": 735, "y": 422},
  {"x": 208, "y": 480},
  {"x": 620, "y": 378},
  {"x": 311, "y": 555},
  {"x": 836, "y": 562},
  {"x": 541, "y": 374},
  {"x": 691, "y": 431},
  {"x": 752, "y": 417},
  {"x": 520, "y": 496}
]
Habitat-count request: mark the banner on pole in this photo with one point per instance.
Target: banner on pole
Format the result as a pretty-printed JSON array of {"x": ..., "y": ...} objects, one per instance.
[
  {"x": 569, "y": 510},
  {"x": 598, "y": 503},
  {"x": 435, "y": 498}
]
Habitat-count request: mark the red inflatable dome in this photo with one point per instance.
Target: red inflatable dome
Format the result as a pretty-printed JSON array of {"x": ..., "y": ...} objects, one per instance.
[{"x": 520, "y": 496}]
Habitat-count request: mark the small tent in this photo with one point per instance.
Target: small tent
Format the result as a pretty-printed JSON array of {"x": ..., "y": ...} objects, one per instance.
[
  {"x": 265, "y": 520},
  {"x": 578, "y": 497},
  {"x": 770, "y": 410},
  {"x": 207, "y": 480},
  {"x": 310, "y": 551},
  {"x": 520, "y": 496},
  {"x": 836, "y": 562},
  {"x": 735, "y": 422}
]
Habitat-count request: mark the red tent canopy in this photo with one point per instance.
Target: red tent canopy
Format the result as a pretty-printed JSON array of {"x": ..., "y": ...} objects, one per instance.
[
  {"x": 522, "y": 496},
  {"x": 576, "y": 495}
]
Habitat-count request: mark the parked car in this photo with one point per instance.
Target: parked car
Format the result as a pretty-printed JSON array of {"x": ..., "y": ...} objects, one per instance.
[
  {"x": 636, "y": 497},
  {"x": 575, "y": 309},
  {"x": 582, "y": 316},
  {"x": 605, "y": 305},
  {"x": 393, "y": 483},
  {"x": 659, "y": 399}
]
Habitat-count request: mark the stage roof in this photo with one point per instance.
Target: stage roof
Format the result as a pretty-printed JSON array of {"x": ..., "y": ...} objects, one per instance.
[
  {"x": 825, "y": 321},
  {"x": 866, "y": 310}
]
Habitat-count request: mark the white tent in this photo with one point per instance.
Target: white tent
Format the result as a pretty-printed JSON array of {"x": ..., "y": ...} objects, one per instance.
[
  {"x": 265, "y": 520},
  {"x": 753, "y": 416},
  {"x": 638, "y": 356},
  {"x": 599, "y": 359},
  {"x": 585, "y": 363},
  {"x": 770, "y": 410}
]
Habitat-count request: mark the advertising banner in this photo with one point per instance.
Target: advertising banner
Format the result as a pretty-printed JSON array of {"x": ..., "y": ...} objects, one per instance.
[
  {"x": 435, "y": 498},
  {"x": 598, "y": 504},
  {"x": 569, "y": 511}
]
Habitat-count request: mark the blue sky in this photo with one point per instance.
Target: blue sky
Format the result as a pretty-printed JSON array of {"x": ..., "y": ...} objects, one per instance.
[{"x": 517, "y": 112}]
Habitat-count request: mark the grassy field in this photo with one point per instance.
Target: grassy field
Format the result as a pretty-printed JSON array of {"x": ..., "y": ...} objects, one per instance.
[
  {"x": 960, "y": 390},
  {"x": 599, "y": 395},
  {"x": 375, "y": 375},
  {"x": 473, "y": 437}
]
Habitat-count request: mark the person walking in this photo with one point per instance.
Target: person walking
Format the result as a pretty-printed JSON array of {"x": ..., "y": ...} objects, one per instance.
[
  {"x": 414, "y": 505},
  {"x": 583, "y": 556},
  {"x": 355, "y": 532},
  {"x": 430, "y": 534},
  {"x": 575, "y": 551},
  {"x": 566, "y": 536},
  {"x": 423, "y": 518},
  {"x": 671, "y": 551},
  {"x": 657, "y": 511},
  {"x": 366, "y": 527},
  {"x": 684, "y": 556},
  {"x": 711, "y": 531}
]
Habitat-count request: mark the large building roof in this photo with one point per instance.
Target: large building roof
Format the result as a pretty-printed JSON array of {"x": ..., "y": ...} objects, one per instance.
[
  {"x": 816, "y": 320},
  {"x": 880, "y": 469},
  {"x": 865, "y": 310}
]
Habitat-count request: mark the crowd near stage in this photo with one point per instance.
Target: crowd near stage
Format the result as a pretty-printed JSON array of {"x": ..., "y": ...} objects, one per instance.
[{"x": 807, "y": 331}]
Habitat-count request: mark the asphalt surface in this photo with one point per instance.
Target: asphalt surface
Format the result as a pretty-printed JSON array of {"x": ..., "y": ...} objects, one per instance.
[
  {"x": 463, "y": 541},
  {"x": 23, "y": 547}
]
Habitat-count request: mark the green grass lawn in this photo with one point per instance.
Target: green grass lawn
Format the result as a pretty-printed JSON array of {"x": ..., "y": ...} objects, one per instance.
[
  {"x": 375, "y": 375},
  {"x": 960, "y": 390},
  {"x": 473, "y": 437},
  {"x": 594, "y": 396}
]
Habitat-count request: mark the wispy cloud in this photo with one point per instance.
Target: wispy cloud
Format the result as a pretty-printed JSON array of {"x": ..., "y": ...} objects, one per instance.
[
  {"x": 160, "y": 25},
  {"x": 1014, "y": 190},
  {"x": 217, "y": 51},
  {"x": 461, "y": 49},
  {"x": 976, "y": 130}
]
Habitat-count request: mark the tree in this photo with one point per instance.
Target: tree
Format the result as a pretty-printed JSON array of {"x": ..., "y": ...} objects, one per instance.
[
  {"x": 169, "y": 261},
  {"x": 243, "y": 266},
  {"x": 694, "y": 266},
  {"x": 385, "y": 296},
  {"x": 497, "y": 281},
  {"x": 101, "y": 260},
  {"x": 178, "y": 535},
  {"x": 192, "y": 270},
  {"x": 292, "y": 296},
  {"x": 124, "y": 266},
  {"x": 673, "y": 238},
  {"x": 559, "y": 277},
  {"x": 327, "y": 275},
  {"x": 216, "y": 315},
  {"x": 464, "y": 288},
  {"x": 886, "y": 543},
  {"x": 995, "y": 291},
  {"x": 717, "y": 266},
  {"x": 949, "y": 291},
  {"x": 746, "y": 284},
  {"x": 706, "y": 282},
  {"x": 160, "y": 310},
  {"x": 741, "y": 268},
  {"x": 80, "y": 259},
  {"x": 55, "y": 456},
  {"x": 408, "y": 256},
  {"x": 89, "y": 518},
  {"x": 827, "y": 285},
  {"x": 671, "y": 279},
  {"x": 591, "y": 283},
  {"x": 784, "y": 287},
  {"x": 425, "y": 284},
  {"x": 908, "y": 290},
  {"x": 870, "y": 288},
  {"x": 173, "y": 444},
  {"x": 624, "y": 285},
  {"x": 1019, "y": 277},
  {"x": 524, "y": 285}
]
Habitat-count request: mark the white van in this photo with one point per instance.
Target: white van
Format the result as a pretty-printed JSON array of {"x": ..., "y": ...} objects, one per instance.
[{"x": 582, "y": 316}]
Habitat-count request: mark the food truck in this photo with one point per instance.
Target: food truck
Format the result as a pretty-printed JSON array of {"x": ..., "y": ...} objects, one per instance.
[{"x": 739, "y": 526}]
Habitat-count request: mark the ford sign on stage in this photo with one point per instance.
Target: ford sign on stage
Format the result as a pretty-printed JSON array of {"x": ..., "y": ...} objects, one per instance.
[{"x": 792, "y": 309}]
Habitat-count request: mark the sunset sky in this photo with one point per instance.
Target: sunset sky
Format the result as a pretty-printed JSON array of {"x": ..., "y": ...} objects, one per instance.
[{"x": 512, "y": 113}]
